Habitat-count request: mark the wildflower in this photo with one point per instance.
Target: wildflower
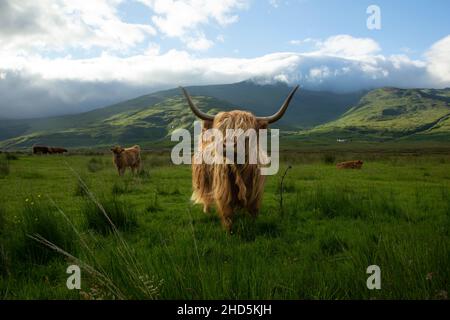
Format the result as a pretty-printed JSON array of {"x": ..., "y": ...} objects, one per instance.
[{"x": 26, "y": 200}]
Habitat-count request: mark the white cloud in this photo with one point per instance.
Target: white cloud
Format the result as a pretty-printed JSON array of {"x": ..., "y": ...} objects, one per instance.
[
  {"x": 177, "y": 66},
  {"x": 49, "y": 25},
  {"x": 439, "y": 60},
  {"x": 331, "y": 66},
  {"x": 198, "y": 43},
  {"x": 184, "y": 19},
  {"x": 297, "y": 42},
  {"x": 300, "y": 42},
  {"x": 348, "y": 47},
  {"x": 46, "y": 26}
]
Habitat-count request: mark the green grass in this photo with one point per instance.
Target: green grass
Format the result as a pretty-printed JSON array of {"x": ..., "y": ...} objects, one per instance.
[
  {"x": 95, "y": 164},
  {"x": 4, "y": 166},
  {"x": 394, "y": 213},
  {"x": 109, "y": 213},
  {"x": 37, "y": 217}
]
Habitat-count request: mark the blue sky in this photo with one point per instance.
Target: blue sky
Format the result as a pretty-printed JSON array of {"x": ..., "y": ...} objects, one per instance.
[
  {"x": 407, "y": 26},
  {"x": 60, "y": 56}
]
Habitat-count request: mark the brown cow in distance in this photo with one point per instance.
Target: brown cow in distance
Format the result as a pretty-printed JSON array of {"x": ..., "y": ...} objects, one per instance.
[
  {"x": 230, "y": 186},
  {"x": 40, "y": 149},
  {"x": 354, "y": 164},
  {"x": 57, "y": 150},
  {"x": 127, "y": 157}
]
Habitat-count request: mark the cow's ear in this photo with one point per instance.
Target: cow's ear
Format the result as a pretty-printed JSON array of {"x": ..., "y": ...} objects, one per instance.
[{"x": 262, "y": 124}]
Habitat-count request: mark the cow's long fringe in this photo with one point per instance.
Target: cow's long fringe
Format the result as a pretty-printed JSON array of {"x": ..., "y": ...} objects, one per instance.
[{"x": 231, "y": 185}]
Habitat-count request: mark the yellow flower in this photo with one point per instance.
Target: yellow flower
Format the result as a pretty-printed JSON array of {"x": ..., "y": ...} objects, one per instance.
[{"x": 26, "y": 200}]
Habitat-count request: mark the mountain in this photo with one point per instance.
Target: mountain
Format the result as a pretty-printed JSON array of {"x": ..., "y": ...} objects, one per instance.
[
  {"x": 135, "y": 125},
  {"x": 378, "y": 115},
  {"x": 307, "y": 109},
  {"x": 150, "y": 118},
  {"x": 392, "y": 113}
]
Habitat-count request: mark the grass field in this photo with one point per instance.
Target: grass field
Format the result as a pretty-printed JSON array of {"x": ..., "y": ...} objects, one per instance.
[{"x": 394, "y": 213}]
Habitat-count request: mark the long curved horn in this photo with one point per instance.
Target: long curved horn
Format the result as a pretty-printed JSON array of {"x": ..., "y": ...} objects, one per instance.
[
  {"x": 277, "y": 116},
  {"x": 202, "y": 115}
]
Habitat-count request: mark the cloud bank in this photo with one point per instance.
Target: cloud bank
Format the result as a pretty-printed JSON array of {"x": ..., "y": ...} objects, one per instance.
[{"x": 34, "y": 81}]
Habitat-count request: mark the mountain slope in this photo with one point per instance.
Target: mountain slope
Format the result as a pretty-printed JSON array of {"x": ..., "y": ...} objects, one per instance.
[
  {"x": 132, "y": 126},
  {"x": 150, "y": 117},
  {"x": 307, "y": 109},
  {"x": 13, "y": 128},
  {"x": 393, "y": 113}
]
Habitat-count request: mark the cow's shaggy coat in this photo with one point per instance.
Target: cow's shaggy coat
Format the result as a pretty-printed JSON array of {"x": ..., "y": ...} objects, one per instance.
[
  {"x": 127, "y": 158},
  {"x": 229, "y": 186},
  {"x": 354, "y": 164}
]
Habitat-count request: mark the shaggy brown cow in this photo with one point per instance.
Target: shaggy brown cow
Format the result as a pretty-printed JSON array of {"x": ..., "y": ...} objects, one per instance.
[
  {"x": 354, "y": 164},
  {"x": 230, "y": 186},
  {"x": 40, "y": 149},
  {"x": 127, "y": 157},
  {"x": 57, "y": 150}
]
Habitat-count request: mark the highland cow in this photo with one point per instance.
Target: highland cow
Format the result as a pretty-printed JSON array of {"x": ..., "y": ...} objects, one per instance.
[
  {"x": 40, "y": 149},
  {"x": 57, "y": 150},
  {"x": 230, "y": 186},
  {"x": 127, "y": 157},
  {"x": 354, "y": 164}
]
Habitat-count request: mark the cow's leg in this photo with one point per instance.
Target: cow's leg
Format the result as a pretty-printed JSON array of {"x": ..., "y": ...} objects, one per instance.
[
  {"x": 226, "y": 214},
  {"x": 138, "y": 167},
  {"x": 206, "y": 207},
  {"x": 254, "y": 207}
]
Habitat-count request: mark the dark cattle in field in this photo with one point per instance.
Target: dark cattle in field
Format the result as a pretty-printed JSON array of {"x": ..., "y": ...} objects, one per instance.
[
  {"x": 39, "y": 149},
  {"x": 354, "y": 164},
  {"x": 127, "y": 157},
  {"x": 56, "y": 150}
]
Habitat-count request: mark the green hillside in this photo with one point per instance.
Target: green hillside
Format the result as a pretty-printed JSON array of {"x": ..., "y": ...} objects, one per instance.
[
  {"x": 150, "y": 118},
  {"x": 390, "y": 113},
  {"x": 14, "y": 128},
  {"x": 379, "y": 115},
  {"x": 135, "y": 125}
]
